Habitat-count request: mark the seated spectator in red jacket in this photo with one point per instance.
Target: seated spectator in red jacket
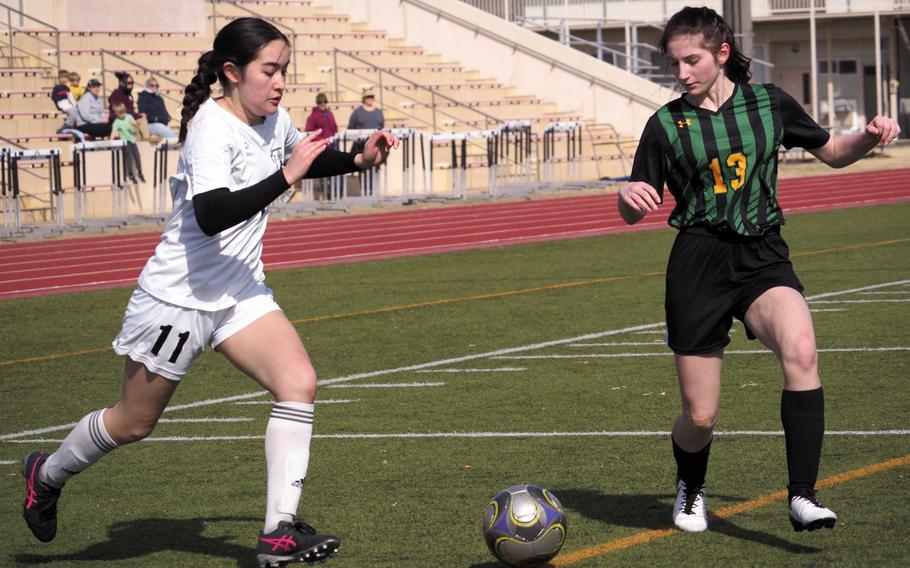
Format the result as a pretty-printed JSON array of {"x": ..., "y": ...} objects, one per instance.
[
  {"x": 322, "y": 117},
  {"x": 123, "y": 95}
]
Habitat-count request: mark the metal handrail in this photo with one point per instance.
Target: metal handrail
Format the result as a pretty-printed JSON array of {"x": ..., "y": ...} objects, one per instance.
[
  {"x": 433, "y": 93},
  {"x": 103, "y": 52},
  {"x": 553, "y": 62},
  {"x": 9, "y": 28},
  {"x": 12, "y": 143},
  {"x": 291, "y": 32},
  {"x": 573, "y": 39}
]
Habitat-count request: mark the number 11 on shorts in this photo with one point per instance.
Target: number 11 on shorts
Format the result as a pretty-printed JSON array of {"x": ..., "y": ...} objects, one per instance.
[{"x": 159, "y": 343}]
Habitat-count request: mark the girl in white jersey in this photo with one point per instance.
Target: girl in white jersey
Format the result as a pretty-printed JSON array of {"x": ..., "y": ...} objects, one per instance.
[{"x": 205, "y": 285}]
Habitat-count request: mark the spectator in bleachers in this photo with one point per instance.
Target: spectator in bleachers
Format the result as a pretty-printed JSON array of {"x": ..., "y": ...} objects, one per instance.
[
  {"x": 151, "y": 104},
  {"x": 365, "y": 117},
  {"x": 125, "y": 128},
  {"x": 75, "y": 88},
  {"x": 88, "y": 116},
  {"x": 60, "y": 94},
  {"x": 123, "y": 94},
  {"x": 322, "y": 119}
]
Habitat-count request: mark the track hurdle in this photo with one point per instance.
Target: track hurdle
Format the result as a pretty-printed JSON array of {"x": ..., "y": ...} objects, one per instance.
[
  {"x": 18, "y": 158},
  {"x": 458, "y": 146},
  {"x": 160, "y": 176},
  {"x": 573, "y": 133},
  {"x": 80, "y": 175},
  {"x": 514, "y": 159}
]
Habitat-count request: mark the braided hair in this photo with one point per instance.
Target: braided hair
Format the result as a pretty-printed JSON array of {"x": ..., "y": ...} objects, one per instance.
[
  {"x": 239, "y": 42},
  {"x": 714, "y": 31}
]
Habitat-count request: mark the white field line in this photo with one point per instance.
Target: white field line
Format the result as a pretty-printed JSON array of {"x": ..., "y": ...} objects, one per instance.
[
  {"x": 366, "y": 375},
  {"x": 854, "y": 290},
  {"x": 817, "y": 310},
  {"x": 327, "y": 401},
  {"x": 9, "y": 462},
  {"x": 643, "y": 329},
  {"x": 387, "y": 386},
  {"x": 669, "y": 353},
  {"x": 203, "y": 420},
  {"x": 497, "y": 370},
  {"x": 885, "y": 301},
  {"x": 489, "y": 354},
  {"x": 424, "y": 435},
  {"x": 619, "y": 344},
  {"x": 901, "y": 293}
]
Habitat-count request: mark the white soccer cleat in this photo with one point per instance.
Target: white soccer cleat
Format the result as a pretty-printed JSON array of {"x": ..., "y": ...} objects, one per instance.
[
  {"x": 690, "y": 514},
  {"x": 807, "y": 514}
]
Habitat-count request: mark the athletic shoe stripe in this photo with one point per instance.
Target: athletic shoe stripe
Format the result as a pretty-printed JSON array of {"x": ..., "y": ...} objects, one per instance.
[{"x": 97, "y": 435}]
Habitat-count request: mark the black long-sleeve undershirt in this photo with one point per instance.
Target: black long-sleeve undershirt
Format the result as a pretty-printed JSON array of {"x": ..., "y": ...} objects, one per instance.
[{"x": 221, "y": 208}]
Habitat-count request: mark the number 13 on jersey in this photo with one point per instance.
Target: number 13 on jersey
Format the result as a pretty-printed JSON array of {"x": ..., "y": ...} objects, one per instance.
[{"x": 735, "y": 161}]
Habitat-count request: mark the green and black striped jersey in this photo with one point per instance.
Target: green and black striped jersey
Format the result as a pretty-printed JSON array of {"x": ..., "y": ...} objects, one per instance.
[{"x": 721, "y": 166}]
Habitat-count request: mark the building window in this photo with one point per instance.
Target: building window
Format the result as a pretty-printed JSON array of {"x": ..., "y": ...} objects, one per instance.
[
  {"x": 846, "y": 67},
  {"x": 838, "y": 66}
]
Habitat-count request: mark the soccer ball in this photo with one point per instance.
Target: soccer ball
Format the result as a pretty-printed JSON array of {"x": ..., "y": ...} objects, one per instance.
[{"x": 525, "y": 525}]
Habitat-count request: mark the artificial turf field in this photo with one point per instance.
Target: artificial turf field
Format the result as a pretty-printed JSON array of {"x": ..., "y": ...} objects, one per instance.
[{"x": 570, "y": 388}]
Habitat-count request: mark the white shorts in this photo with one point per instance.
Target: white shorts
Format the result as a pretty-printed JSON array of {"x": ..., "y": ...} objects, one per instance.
[{"x": 166, "y": 338}]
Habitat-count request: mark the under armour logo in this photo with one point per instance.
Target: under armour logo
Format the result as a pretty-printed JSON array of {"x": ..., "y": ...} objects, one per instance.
[{"x": 684, "y": 123}]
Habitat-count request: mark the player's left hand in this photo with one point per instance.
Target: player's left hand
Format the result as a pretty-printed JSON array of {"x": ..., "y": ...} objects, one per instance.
[
  {"x": 883, "y": 128},
  {"x": 377, "y": 148}
]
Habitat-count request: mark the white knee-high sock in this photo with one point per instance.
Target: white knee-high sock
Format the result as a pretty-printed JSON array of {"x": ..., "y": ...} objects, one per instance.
[
  {"x": 287, "y": 456},
  {"x": 87, "y": 443}
]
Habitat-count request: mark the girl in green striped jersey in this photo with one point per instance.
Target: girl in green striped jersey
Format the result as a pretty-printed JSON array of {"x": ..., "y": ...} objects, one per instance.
[{"x": 715, "y": 148}]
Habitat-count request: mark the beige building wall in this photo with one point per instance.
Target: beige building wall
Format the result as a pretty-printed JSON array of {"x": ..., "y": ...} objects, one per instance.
[{"x": 128, "y": 15}]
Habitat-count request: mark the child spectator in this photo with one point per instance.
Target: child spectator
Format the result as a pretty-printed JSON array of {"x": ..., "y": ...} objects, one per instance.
[
  {"x": 60, "y": 94},
  {"x": 125, "y": 128},
  {"x": 123, "y": 94},
  {"x": 75, "y": 88}
]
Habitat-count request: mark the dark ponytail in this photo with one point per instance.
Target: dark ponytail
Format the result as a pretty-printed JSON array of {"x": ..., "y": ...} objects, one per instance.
[
  {"x": 239, "y": 42},
  {"x": 714, "y": 31}
]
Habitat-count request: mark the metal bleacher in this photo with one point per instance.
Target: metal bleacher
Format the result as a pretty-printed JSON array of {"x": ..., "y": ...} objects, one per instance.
[{"x": 432, "y": 102}]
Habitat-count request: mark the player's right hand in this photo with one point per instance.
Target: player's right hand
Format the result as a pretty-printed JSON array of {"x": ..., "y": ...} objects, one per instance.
[
  {"x": 638, "y": 198},
  {"x": 302, "y": 157}
]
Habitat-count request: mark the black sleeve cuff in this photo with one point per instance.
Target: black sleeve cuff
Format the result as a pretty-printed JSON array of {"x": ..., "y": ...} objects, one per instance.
[
  {"x": 221, "y": 208},
  {"x": 330, "y": 163}
]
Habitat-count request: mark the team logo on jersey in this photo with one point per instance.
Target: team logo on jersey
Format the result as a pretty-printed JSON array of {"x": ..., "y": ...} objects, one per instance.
[
  {"x": 684, "y": 123},
  {"x": 278, "y": 155}
]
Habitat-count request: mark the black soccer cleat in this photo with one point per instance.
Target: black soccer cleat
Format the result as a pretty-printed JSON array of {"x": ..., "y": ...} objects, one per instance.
[
  {"x": 807, "y": 514},
  {"x": 294, "y": 542},
  {"x": 40, "y": 506}
]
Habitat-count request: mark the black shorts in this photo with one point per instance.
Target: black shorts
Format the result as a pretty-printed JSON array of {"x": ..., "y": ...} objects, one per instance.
[{"x": 713, "y": 277}]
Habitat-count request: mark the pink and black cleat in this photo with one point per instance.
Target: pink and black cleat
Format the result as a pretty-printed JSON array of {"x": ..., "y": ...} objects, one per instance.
[
  {"x": 40, "y": 506},
  {"x": 294, "y": 542}
]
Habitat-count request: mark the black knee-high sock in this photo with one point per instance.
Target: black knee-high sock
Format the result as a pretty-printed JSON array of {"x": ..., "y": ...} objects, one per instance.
[
  {"x": 803, "y": 416},
  {"x": 691, "y": 467}
]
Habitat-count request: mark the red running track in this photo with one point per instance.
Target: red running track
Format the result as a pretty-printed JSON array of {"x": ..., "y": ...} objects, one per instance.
[{"x": 89, "y": 263}]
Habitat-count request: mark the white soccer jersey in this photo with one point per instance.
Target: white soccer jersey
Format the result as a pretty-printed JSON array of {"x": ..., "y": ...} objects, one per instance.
[{"x": 189, "y": 268}]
